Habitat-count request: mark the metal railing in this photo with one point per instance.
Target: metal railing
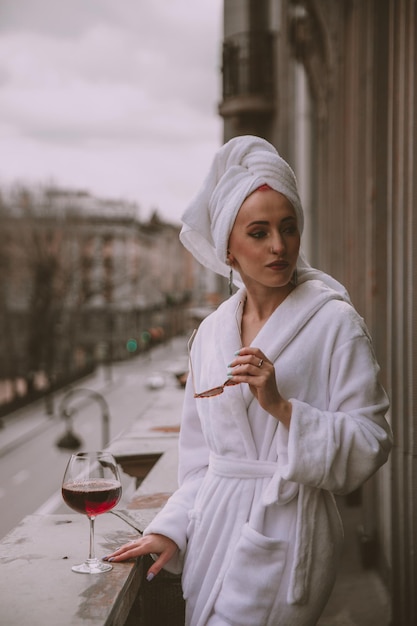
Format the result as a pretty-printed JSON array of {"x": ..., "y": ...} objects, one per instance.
[{"x": 248, "y": 65}]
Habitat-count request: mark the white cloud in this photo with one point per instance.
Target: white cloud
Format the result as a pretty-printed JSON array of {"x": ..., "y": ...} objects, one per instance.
[{"x": 117, "y": 98}]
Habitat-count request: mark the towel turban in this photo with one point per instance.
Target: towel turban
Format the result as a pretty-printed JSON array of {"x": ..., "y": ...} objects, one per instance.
[{"x": 239, "y": 167}]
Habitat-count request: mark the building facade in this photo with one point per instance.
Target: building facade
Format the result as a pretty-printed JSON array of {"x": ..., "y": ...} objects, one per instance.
[
  {"x": 84, "y": 281},
  {"x": 333, "y": 86}
]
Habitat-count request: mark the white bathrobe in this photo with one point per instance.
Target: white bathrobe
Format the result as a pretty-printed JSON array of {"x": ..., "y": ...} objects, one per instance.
[{"x": 254, "y": 516}]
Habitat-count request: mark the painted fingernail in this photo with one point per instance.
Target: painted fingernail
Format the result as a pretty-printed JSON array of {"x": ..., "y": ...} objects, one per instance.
[
  {"x": 150, "y": 577},
  {"x": 229, "y": 376},
  {"x": 237, "y": 352}
]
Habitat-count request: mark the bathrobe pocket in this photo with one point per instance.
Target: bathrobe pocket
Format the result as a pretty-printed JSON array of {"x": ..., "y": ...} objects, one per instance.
[{"x": 252, "y": 581}]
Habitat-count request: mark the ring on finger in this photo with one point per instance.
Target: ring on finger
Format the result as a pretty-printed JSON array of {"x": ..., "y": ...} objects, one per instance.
[{"x": 260, "y": 362}]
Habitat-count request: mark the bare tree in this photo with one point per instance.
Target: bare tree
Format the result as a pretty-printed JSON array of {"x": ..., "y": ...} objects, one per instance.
[
  {"x": 8, "y": 352},
  {"x": 40, "y": 254}
]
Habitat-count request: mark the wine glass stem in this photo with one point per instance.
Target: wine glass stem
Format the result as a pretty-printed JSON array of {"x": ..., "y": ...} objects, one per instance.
[{"x": 91, "y": 555}]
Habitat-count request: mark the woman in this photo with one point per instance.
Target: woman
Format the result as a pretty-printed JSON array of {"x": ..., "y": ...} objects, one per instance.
[{"x": 254, "y": 526}]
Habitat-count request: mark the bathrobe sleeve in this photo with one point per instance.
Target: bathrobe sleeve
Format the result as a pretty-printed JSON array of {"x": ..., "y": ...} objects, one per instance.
[
  {"x": 340, "y": 447},
  {"x": 172, "y": 521}
]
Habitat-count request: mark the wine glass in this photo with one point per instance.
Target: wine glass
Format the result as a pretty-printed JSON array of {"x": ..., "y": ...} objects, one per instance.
[{"x": 91, "y": 485}]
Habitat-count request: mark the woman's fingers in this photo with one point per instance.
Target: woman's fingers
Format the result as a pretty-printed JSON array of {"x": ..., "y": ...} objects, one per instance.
[
  {"x": 160, "y": 545},
  {"x": 127, "y": 551},
  {"x": 252, "y": 366},
  {"x": 250, "y": 361},
  {"x": 161, "y": 561}
]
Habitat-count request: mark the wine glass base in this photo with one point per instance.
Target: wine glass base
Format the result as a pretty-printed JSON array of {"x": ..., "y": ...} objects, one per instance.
[{"x": 92, "y": 566}]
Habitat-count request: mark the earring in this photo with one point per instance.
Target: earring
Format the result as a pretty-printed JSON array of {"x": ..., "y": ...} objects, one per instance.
[
  {"x": 231, "y": 281},
  {"x": 229, "y": 262}
]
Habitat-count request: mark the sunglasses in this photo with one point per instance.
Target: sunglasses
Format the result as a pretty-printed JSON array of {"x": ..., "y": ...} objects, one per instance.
[{"x": 210, "y": 393}]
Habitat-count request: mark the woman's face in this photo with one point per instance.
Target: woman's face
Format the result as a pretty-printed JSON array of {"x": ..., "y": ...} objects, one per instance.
[{"x": 265, "y": 240}]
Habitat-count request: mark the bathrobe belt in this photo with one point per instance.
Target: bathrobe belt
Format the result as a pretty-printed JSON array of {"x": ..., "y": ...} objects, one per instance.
[{"x": 280, "y": 491}]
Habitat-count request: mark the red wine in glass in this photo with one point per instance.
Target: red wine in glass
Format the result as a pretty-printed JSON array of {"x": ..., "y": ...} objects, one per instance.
[
  {"x": 91, "y": 486},
  {"x": 92, "y": 497}
]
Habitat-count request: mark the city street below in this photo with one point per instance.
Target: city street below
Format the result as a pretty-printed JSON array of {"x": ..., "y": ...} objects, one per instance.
[{"x": 32, "y": 464}]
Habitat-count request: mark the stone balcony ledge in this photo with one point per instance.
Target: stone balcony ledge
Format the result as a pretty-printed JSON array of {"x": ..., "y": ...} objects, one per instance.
[{"x": 38, "y": 587}]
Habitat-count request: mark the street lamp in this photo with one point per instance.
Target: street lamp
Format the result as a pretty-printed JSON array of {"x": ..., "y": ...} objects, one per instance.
[{"x": 69, "y": 440}]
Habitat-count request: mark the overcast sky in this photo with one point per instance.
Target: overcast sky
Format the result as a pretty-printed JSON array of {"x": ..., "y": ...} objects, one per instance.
[{"x": 117, "y": 97}]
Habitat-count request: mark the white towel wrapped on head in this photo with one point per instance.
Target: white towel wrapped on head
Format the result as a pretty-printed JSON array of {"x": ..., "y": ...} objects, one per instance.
[{"x": 240, "y": 167}]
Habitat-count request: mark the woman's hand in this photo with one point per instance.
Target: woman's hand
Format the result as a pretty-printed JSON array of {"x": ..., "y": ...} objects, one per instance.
[
  {"x": 164, "y": 547},
  {"x": 253, "y": 367}
]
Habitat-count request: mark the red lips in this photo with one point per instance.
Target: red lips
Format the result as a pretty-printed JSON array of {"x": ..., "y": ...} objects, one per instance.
[{"x": 279, "y": 265}]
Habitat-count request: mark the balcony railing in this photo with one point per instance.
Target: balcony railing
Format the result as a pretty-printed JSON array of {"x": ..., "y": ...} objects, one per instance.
[{"x": 248, "y": 71}]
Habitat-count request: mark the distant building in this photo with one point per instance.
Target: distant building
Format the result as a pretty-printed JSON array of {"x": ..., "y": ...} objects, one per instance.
[{"x": 84, "y": 280}]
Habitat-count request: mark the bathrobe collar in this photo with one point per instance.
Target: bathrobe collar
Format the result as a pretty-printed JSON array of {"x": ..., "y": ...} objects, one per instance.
[{"x": 285, "y": 323}]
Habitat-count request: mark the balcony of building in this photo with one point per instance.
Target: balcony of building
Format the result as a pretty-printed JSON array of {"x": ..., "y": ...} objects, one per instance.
[{"x": 248, "y": 74}]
